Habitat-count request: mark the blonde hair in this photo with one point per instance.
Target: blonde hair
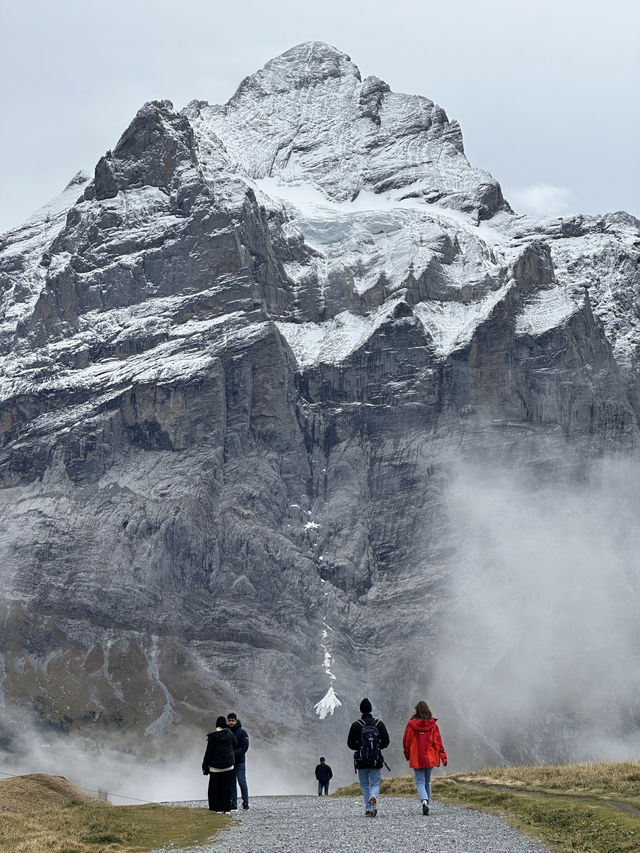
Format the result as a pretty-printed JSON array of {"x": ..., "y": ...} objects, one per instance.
[{"x": 423, "y": 712}]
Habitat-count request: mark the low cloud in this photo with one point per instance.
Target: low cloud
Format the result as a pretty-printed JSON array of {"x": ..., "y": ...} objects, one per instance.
[
  {"x": 543, "y": 200},
  {"x": 542, "y": 622},
  {"x": 173, "y": 774}
]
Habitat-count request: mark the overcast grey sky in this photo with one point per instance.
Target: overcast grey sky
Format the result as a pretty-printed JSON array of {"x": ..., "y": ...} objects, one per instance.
[{"x": 546, "y": 91}]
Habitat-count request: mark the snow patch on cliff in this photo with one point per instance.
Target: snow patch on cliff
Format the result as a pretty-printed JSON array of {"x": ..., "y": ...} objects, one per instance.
[
  {"x": 25, "y": 246},
  {"x": 328, "y": 704},
  {"x": 549, "y": 309},
  {"x": 381, "y": 240},
  {"x": 335, "y": 340},
  {"x": 451, "y": 324}
]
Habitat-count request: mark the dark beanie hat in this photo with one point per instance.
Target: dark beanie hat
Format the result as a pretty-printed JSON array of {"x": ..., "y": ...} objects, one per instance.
[
  {"x": 365, "y": 707},
  {"x": 221, "y": 723}
]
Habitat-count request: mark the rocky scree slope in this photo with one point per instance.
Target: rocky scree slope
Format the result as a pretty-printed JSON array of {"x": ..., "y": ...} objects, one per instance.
[{"x": 237, "y": 364}]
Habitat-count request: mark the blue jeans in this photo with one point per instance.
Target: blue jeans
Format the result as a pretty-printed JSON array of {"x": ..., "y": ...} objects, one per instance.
[
  {"x": 369, "y": 783},
  {"x": 423, "y": 782},
  {"x": 323, "y": 786},
  {"x": 241, "y": 778}
]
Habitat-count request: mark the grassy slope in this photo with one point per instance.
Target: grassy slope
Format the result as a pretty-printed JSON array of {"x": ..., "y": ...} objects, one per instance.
[
  {"x": 38, "y": 791},
  {"x": 592, "y": 808},
  {"x": 41, "y": 812}
]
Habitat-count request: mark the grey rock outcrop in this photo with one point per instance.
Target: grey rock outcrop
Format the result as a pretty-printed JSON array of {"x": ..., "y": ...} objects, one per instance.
[{"x": 241, "y": 366}]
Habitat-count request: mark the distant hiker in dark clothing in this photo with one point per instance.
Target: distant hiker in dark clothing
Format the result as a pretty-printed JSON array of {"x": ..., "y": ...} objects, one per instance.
[
  {"x": 240, "y": 750},
  {"x": 423, "y": 749},
  {"x": 217, "y": 764},
  {"x": 323, "y": 774},
  {"x": 368, "y": 737}
]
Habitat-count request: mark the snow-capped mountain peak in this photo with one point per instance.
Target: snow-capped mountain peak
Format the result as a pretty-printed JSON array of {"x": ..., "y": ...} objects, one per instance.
[
  {"x": 240, "y": 365},
  {"x": 308, "y": 117}
]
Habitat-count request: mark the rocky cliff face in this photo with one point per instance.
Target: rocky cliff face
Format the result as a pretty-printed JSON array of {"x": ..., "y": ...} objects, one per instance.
[{"x": 242, "y": 367}]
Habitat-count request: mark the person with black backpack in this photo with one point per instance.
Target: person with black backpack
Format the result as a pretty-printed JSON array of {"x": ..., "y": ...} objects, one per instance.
[{"x": 367, "y": 738}]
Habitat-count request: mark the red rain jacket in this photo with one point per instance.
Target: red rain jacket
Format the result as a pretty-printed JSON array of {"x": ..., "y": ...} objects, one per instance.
[{"x": 422, "y": 744}]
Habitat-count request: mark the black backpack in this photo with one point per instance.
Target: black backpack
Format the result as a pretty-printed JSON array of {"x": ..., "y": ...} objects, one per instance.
[{"x": 369, "y": 754}]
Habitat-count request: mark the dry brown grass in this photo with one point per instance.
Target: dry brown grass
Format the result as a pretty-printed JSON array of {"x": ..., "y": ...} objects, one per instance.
[
  {"x": 47, "y": 813},
  {"x": 394, "y": 786},
  {"x": 608, "y": 780},
  {"x": 38, "y": 791},
  {"x": 598, "y": 778}
]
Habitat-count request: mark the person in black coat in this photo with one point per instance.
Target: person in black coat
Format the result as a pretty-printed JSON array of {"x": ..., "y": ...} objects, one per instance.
[
  {"x": 323, "y": 774},
  {"x": 218, "y": 765},
  {"x": 369, "y": 772}
]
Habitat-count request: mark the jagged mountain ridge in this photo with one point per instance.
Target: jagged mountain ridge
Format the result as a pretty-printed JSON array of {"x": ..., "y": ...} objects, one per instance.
[
  {"x": 236, "y": 364},
  {"x": 307, "y": 116}
]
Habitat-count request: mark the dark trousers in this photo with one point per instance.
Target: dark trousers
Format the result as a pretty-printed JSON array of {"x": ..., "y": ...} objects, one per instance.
[
  {"x": 241, "y": 776},
  {"x": 220, "y": 790},
  {"x": 323, "y": 786}
]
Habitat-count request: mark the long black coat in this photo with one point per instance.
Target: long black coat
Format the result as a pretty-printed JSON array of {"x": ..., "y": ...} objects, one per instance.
[{"x": 219, "y": 752}]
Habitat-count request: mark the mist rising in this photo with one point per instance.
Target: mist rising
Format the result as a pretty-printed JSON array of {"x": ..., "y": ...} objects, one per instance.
[{"x": 539, "y": 656}]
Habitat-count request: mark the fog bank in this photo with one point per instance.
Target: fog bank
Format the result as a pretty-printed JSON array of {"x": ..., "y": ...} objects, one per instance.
[
  {"x": 540, "y": 646},
  {"x": 127, "y": 778}
]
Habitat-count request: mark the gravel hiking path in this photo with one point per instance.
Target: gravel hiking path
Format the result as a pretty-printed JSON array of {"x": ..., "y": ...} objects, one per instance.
[{"x": 325, "y": 825}]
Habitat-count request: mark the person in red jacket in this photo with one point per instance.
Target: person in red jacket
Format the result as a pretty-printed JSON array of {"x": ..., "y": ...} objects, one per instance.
[{"x": 423, "y": 750}]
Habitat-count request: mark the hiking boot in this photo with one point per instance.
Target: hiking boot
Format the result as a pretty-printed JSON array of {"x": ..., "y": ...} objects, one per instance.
[
  {"x": 367, "y": 814},
  {"x": 373, "y": 803},
  {"x": 425, "y": 807},
  {"x": 245, "y": 806}
]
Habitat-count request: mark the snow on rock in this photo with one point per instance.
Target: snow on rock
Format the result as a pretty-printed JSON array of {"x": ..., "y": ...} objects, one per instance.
[
  {"x": 335, "y": 340},
  {"x": 328, "y": 704},
  {"x": 308, "y": 117},
  {"x": 374, "y": 184},
  {"x": 190, "y": 351},
  {"x": 599, "y": 254},
  {"x": 383, "y": 235},
  {"x": 22, "y": 249},
  {"x": 547, "y": 310},
  {"x": 58, "y": 206},
  {"x": 451, "y": 324}
]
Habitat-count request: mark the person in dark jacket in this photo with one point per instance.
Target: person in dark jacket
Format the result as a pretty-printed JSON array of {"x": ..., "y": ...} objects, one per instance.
[
  {"x": 240, "y": 751},
  {"x": 323, "y": 774},
  {"x": 217, "y": 764},
  {"x": 369, "y": 772}
]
